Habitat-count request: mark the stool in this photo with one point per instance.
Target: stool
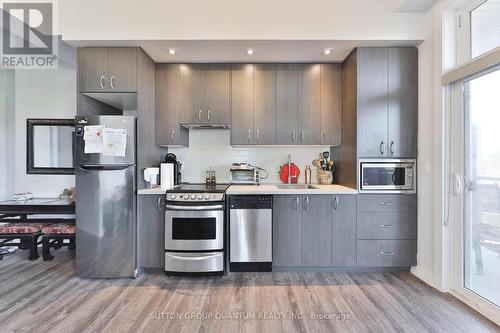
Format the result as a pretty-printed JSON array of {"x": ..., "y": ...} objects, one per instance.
[
  {"x": 54, "y": 236},
  {"x": 27, "y": 233}
]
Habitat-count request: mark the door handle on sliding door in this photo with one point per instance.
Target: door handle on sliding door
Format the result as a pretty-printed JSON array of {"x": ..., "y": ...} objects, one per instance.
[{"x": 457, "y": 184}]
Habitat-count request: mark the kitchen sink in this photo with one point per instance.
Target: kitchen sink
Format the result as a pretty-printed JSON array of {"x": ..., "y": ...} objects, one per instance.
[{"x": 296, "y": 187}]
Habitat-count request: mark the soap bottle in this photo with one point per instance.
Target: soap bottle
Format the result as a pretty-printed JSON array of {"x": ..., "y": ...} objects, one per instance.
[{"x": 308, "y": 175}]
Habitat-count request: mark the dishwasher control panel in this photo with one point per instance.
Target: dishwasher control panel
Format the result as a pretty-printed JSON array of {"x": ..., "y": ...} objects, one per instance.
[{"x": 251, "y": 202}]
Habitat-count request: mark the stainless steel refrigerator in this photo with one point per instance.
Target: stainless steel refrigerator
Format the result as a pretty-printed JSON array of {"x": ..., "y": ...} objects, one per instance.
[{"x": 105, "y": 203}]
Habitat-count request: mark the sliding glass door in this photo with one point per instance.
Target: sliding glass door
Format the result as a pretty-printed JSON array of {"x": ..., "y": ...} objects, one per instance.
[{"x": 480, "y": 192}]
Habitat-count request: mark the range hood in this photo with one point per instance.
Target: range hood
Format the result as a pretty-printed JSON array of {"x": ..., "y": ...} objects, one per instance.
[{"x": 207, "y": 126}]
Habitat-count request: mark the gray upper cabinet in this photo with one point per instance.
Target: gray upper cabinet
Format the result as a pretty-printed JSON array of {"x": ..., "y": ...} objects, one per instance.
[
  {"x": 190, "y": 93},
  {"x": 331, "y": 104},
  {"x": 403, "y": 105},
  {"x": 253, "y": 104},
  {"x": 287, "y": 103},
  {"x": 387, "y": 102},
  {"x": 242, "y": 83},
  {"x": 168, "y": 132},
  {"x": 122, "y": 69},
  {"x": 264, "y": 104},
  {"x": 372, "y": 102},
  {"x": 344, "y": 231},
  {"x": 316, "y": 232},
  {"x": 204, "y": 93},
  {"x": 309, "y": 117},
  {"x": 287, "y": 230},
  {"x": 102, "y": 69},
  {"x": 216, "y": 93}
]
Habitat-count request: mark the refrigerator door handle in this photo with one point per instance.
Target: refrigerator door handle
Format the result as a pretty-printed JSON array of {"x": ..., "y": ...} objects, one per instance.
[{"x": 104, "y": 167}]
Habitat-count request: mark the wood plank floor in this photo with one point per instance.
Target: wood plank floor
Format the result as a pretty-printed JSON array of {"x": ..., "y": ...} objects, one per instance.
[{"x": 46, "y": 296}]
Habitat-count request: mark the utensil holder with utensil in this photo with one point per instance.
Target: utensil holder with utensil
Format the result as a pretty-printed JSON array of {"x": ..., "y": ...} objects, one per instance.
[{"x": 325, "y": 177}]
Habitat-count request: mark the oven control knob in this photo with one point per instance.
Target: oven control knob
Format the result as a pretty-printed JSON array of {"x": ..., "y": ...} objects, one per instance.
[
  {"x": 207, "y": 196},
  {"x": 173, "y": 196},
  {"x": 186, "y": 197},
  {"x": 200, "y": 196},
  {"x": 193, "y": 196}
]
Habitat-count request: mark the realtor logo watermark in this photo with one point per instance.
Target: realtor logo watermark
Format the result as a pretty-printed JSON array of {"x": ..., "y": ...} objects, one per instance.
[{"x": 27, "y": 36}]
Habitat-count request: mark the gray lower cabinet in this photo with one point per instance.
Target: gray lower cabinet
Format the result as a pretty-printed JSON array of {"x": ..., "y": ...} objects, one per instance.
[
  {"x": 150, "y": 231},
  {"x": 316, "y": 230},
  {"x": 344, "y": 230},
  {"x": 387, "y": 253},
  {"x": 169, "y": 132},
  {"x": 387, "y": 230},
  {"x": 287, "y": 230}
]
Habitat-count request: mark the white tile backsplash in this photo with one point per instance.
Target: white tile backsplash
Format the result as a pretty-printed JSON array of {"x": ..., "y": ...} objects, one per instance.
[{"x": 212, "y": 148}]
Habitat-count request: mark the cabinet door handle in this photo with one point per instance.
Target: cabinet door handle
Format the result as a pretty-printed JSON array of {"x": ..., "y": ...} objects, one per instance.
[
  {"x": 249, "y": 135},
  {"x": 112, "y": 81},
  {"x": 158, "y": 204},
  {"x": 172, "y": 135},
  {"x": 324, "y": 136},
  {"x": 306, "y": 203},
  {"x": 386, "y": 225},
  {"x": 382, "y": 148},
  {"x": 296, "y": 203},
  {"x": 387, "y": 253},
  {"x": 386, "y": 203},
  {"x": 392, "y": 148},
  {"x": 301, "y": 135},
  {"x": 199, "y": 115},
  {"x": 208, "y": 115},
  {"x": 336, "y": 203},
  {"x": 293, "y": 135},
  {"x": 102, "y": 81},
  {"x": 258, "y": 136}
]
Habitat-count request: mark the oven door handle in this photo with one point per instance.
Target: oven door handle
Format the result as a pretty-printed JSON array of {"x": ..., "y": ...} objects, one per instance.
[
  {"x": 197, "y": 258},
  {"x": 212, "y": 207}
]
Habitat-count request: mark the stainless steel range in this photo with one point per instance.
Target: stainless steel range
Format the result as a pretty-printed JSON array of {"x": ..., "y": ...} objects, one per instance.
[{"x": 194, "y": 229}]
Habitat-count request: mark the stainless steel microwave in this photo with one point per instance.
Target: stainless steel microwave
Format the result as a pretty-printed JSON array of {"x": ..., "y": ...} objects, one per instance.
[{"x": 387, "y": 176}]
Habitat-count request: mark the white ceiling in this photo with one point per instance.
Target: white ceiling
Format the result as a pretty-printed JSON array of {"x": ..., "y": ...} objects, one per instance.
[
  {"x": 236, "y": 50},
  {"x": 414, "y": 5}
]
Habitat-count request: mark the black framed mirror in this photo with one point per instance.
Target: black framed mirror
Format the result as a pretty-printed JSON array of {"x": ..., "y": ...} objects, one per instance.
[{"x": 49, "y": 146}]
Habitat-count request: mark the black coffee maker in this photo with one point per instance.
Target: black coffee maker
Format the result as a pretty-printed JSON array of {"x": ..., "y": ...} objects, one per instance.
[{"x": 171, "y": 158}]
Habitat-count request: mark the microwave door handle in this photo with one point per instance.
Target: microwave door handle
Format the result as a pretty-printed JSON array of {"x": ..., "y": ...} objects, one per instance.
[{"x": 394, "y": 178}]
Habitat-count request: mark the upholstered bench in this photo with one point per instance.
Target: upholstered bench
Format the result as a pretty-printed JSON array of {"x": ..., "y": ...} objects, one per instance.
[
  {"x": 27, "y": 233},
  {"x": 54, "y": 235}
]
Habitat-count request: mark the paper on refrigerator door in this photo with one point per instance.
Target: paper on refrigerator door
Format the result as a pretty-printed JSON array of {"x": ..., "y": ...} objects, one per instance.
[
  {"x": 92, "y": 136},
  {"x": 114, "y": 141}
]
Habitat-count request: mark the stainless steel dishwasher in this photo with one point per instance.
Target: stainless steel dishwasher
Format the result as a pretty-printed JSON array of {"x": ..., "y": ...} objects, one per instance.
[{"x": 251, "y": 233}]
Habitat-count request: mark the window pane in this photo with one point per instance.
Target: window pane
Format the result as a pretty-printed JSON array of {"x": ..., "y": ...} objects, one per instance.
[
  {"x": 482, "y": 187},
  {"x": 485, "y": 27}
]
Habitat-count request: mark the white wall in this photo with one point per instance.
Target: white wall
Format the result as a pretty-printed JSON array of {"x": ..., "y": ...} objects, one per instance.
[
  {"x": 6, "y": 132},
  {"x": 228, "y": 19},
  {"x": 43, "y": 94},
  {"x": 211, "y": 148}
]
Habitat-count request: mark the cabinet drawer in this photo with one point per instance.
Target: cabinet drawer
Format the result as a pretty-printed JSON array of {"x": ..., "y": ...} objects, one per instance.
[
  {"x": 404, "y": 203},
  {"x": 387, "y": 225},
  {"x": 396, "y": 253}
]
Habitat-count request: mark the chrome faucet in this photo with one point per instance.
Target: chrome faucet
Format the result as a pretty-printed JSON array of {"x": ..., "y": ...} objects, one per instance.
[{"x": 289, "y": 180}]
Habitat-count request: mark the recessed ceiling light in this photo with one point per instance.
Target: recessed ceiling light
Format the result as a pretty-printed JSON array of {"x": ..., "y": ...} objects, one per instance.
[
  {"x": 327, "y": 51},
  {"x": 172, "y": 51},
  {"x": 250, "y": 51}
]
